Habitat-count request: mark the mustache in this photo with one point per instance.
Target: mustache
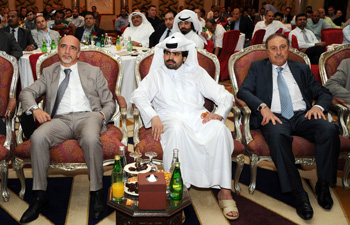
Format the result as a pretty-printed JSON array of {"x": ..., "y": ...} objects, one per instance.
[
  {"x": 170, "y": 60},
  {"x": 277, "y": 56}
]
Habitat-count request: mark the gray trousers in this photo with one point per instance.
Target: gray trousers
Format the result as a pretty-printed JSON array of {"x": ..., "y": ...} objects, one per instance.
[{"x": 85, "y": 127}]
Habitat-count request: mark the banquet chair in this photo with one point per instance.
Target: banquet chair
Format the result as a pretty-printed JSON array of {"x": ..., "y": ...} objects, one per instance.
[
  {"x": 8, "y": 83},
  {"x": 332, "y": 36},
  {"x": 33, "y": 58},
  {"x": 258, "y": 37},
  {"x": 256, "y": 146},
  {"x": 279, "y": 31},
  {"x": 68, "y": 155},
  {"x": 229, "y": 43},
  {"x": 143, "y": 140},
  {"x": 209, "y": 46}
]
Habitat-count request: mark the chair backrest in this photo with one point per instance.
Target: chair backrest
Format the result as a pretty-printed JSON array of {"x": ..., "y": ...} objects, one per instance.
[
  {"x": 240, "y": 62},
  {"x": 110, "y": 65},
  {"x": 207, "y": 60},
  {"x": 329, "y": 61},
  {"x": 33, "y": 58},
  {"x": 229, "y": 43},
  {"x": 8, "y": 80},
  {"x": 279, "y": 31},
  {"x": 123, "y": 29},
  {"x": 332, "y": 36},
  {"x": 209, "y": 46},
  {"x": 258, "y": 37},
  {"x": 287, "y": 34},
  {"x": 294, "y": 43}
]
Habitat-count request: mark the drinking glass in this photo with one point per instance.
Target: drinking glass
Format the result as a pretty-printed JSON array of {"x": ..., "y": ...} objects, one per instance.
[
  {"x": 151, "y": 155},
  {"x": 117, "y": 187}
]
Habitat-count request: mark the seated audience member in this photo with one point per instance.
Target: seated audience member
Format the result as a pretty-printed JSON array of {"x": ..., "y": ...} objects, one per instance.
[
  {"x": 270, "y": 25},
  {"x": 140, "y": 30},
  {"x": 89, "y": 29},
  {"x": 269, "y": 7},
  {"x": 339, "y": 18},
  {"x": 339, "y": 83},
  {"x": 121, "y": 21},
  {"x": 43, "y": 33},
  {"x": 176, "y": 121},
  {"x": 307, "y": 40},
  {"x": 211, "y": 12},
  {"x": 163, "y": 30},
  {"x": 68, "y": 14},
  {"x": 63, "y": 119},
  {"x": 278, "y": 16},
  {"x": 9, "y": 44},
  {"x": 217, "y": 18},
  {"x": 30, "y": 21},
  {"x": 188, "y": 24},
  {"x": 241, "y": 23},
  {"x": 224, "y": 13},
  {"x": 23, "y": 37},
  {"x": 4, "y": 16},
  {"x": 326, "y": 18},
  {"x": 201, "y": 20},
  {"x": 309, "y": 14},
  {"x": 287, "y": 17},
  {"x": 96, "y": 15},
  {"x": 77, "y": 20},
  {"x": 22, "y": 14},
  {"x": 346, "y": 35},
  {"x": 316, "y": 24},
  {"x": 152, "y": 16},
  {"x": 331, "y": 12},
  {"x": 217, "y": 37},
  {"x": 61, "y": 25},
  {"x": 260, "y": 16},
  {"x": 280, "y": 93}
]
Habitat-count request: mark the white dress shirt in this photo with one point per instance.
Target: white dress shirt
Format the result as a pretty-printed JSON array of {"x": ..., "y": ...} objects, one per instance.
[
  {"x": 300, "y": 37},
  {"x": 15, "y": 34},
  {"x": 74, "y": 98},
  {"x": 270, "y": 29},
  {"x": 218, "y": 36},
  {"x": 294, "y": 91}
]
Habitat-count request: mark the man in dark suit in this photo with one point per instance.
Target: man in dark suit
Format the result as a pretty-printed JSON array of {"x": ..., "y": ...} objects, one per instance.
[
  {"x": 279, "y": 93},
  {"x": 23, "y": 37},
  {"x": 152, "y": 16},
  {"x": 242, "y": 23},
  {"x": 88, "y": 28},
  {"x": 163, "y": 30},
  {"x": 9, "y": 45}
]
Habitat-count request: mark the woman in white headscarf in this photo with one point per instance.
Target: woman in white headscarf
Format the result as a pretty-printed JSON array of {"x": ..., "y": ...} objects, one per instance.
[{"x": 140, "y": 30}]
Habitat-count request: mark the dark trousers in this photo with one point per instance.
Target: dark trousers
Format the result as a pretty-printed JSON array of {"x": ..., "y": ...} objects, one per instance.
[
  {"x": 314, "y": 53},
  {"x": 279, "y": 138}
]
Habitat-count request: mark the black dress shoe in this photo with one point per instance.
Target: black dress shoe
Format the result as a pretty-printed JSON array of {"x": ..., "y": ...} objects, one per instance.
[
  {"x": 98, "y": 204},
  {"x": 39, "y": 203},
  {"x": 324, "y": 197},
  {"x": 302, "y": 205}
]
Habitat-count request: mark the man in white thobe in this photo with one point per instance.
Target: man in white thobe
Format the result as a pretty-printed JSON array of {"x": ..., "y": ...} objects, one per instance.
[
  {"x": 140, "y": 29},
  {"x": 188, "y": 24},
  {"x": 170, "y": 99}
]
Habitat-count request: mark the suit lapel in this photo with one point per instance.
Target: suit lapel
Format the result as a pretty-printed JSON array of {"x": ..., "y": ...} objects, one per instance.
[
  {"x": 268, "y": 78},
  {"x": 83, "y": 78},
  {"x": 296, "y": 73},
  {"x": 54, "y": 85}
]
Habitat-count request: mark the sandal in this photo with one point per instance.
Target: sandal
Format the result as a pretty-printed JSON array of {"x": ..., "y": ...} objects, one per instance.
[{"x": 229, "y": 206}]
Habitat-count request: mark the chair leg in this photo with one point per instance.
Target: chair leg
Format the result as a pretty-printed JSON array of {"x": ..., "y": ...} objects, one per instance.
[
  {"x": 4, "y": 175},
  {"x": 253, "y": 170},
  {"x": 239, "y": 168},
  {"x": 346, "y": 172},
  {"x": 18, "y": 166}
]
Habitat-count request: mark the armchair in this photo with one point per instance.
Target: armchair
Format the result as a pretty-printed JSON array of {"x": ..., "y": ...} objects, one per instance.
[
  {"x": 229, "y": 44},
  {"x": 8, "y": 82},
  {"x": 256, "y": 147},
  {"x": 143, "y": 140},
  {"x": 68, "y": 155}
]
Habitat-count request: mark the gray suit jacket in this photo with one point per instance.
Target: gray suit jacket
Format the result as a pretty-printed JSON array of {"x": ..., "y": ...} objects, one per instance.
[
  {"x": 39, "y": 37},
  {"x": 92, "y": 80},
  {"x": 339, "y": 83}
]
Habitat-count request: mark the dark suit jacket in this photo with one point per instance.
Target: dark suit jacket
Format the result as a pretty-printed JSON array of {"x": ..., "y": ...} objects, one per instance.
[
  {"x": 25, "y": 37},
  {"x": 257, "y": 88},
  {"x": 156, "y": 35},
  {"x": 246, "y": 26},
  {"x": 9, "y": 45},
  {"x": 80, "y": 31}
]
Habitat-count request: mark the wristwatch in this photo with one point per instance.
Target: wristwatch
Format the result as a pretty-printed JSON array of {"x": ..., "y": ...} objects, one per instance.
[
  {"x": 261, "y": 106},
  {"x": 34, "y": 108}
]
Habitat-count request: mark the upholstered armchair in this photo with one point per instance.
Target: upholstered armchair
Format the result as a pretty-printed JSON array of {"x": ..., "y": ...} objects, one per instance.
[
  {"x": 256, "y": 147},
  {"x": 68, "y": 155},
  {"x": 8, "y": 83},
  {"x": 332, "y": 36},
  {"x": 143, "y": 140}
]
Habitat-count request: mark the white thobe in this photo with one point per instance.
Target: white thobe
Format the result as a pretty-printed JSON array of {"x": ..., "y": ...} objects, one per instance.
[
  {"x": 139, "y": 34},
  {"x": 177, "y": 97},
  {"x": 195, "y": 38},
  {"x": 270, "y": 29}
]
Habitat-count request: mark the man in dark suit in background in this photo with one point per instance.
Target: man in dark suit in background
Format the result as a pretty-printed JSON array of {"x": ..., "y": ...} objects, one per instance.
[
  {"x": 9, "y": 45},
  {"x": 23, "y": 37},
  {"x": 243, "y": 24},
  {"x": 88, "y": 28},
  {"x": 163, "y": 30},
  {"x": 279, "y": 93}
]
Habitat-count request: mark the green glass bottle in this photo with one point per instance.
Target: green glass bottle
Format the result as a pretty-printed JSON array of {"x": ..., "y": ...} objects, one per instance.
[
  {"x": 176, "y": 186},
  {"x": 53, "y": 44},
  {"x": 44, "y": 47},
  {"x": 129, "y": 45},
  {"x": 102, "y": 41}
]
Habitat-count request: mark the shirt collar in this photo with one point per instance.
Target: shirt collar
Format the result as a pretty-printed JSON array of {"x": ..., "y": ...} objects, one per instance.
[
  {"x": 73, "y": 67},
  {"x": 284, "y": 66}
]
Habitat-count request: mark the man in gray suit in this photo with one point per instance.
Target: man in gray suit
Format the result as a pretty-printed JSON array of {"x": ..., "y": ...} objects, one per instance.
[
  {"x": 43, "y": 33},
  {"x": 339, "y": 83},
  {"x": 78, "y": 105}
]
